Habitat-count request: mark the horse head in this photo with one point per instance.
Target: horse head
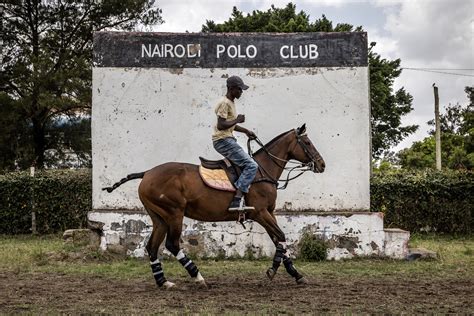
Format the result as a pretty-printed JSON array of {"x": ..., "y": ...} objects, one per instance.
[{"x": 305, "y": 152}]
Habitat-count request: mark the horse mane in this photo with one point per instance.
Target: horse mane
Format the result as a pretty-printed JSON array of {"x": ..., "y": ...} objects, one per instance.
[{"x": 273, "y": 141}]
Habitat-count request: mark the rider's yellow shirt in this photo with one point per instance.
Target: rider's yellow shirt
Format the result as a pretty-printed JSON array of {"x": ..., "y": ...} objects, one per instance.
[{"x": 225, "y": 109}]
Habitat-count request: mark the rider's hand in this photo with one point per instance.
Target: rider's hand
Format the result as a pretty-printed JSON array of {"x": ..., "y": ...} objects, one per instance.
[
  {"x": 251, "y": 135},
  {"x": 240, "y": 118}
]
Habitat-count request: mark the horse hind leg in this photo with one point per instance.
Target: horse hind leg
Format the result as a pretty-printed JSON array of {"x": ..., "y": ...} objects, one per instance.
[
  {"x": 172, "y": 244},
  {"x": 156, "y": 239}
]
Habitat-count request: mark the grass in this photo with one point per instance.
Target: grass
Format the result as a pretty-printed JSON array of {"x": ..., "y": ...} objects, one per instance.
[
  {"x": 57, "y": 278},
  {"x": 21, "y": 254}
]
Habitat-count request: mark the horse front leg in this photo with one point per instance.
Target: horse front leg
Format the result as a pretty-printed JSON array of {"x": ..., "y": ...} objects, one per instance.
[
  {"x": 280, "y": 256},
  {"x": 278, "y": 237},
  {"x": 290, "y": 268}
]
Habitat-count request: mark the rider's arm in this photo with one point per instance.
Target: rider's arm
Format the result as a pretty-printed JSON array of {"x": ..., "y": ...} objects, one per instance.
[
  {"x": 241, "y": 129},
  {"x": 223, "y": 124}
]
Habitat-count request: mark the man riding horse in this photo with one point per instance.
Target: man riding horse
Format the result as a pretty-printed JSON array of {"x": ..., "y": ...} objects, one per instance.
[
  {"x": 225, "y": 143},
  {"x": 174, "y": 190}
]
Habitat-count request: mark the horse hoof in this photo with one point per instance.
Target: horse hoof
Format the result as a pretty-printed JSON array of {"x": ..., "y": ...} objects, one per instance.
[
  {"x": 202, "y": 284},
  {"x": 168, "y": 285},
  {"x": 199, "y": 280},
  {"x": 271, "y": 274},
  {"x": 302, "y": 280}
]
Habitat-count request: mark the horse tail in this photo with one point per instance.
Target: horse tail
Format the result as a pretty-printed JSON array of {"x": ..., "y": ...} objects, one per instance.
[{"x": 131, "y": 176}]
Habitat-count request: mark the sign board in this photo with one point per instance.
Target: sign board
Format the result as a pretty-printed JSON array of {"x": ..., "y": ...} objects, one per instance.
[
  {"x": 154, "y": 96},
  {"x": 230, "y": 50}
]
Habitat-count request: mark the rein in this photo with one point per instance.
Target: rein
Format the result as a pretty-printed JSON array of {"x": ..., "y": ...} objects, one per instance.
[{"x": 276, "y": 160}]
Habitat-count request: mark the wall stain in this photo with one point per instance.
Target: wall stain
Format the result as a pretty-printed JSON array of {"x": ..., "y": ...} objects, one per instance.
[
  {"x": 374, "y": 245},
  {"x": 115, "y": 226},
  {"x": 134, "y": 227},
  {"x": 175, "y": 71},
  {"x": 345, "y": 242},
  {"x": 282, "y": 72}
]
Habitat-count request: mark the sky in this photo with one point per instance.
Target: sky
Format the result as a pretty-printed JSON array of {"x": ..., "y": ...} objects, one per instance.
[{"x": 433, "y": 34}]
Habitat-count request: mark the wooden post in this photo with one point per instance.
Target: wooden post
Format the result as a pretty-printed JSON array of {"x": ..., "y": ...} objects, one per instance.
[
  {"x": 438, "y": 129},
  {"x": 33, "y": 213}
]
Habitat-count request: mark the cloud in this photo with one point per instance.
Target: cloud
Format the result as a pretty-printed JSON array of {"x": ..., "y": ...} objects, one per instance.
[
  {"x": 190, "y": 15},
  {"x": 434, "y": 31},
  {"x": 428, "y": 34},
  {"x": 386, "y": 45},
  {"x": 419, "y": 85}
]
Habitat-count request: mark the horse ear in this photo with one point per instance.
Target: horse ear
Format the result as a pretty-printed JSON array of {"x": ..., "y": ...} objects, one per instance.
[{"x": 301, "y": 129}]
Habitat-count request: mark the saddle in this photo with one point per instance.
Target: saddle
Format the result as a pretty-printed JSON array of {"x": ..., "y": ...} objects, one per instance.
[{"x": 219, "y": 174}]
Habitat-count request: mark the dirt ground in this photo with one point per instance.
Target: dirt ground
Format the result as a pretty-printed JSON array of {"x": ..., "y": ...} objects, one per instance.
[{"x": 46, "y": 293}]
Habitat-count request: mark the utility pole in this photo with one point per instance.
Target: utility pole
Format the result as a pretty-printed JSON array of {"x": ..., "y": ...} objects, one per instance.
[
  {"x": 438, "y": 129},
  {"x": 32, "y": 191}
]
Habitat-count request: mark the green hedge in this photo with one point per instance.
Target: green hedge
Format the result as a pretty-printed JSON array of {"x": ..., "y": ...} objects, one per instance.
[
  {"x": 61, "y": 200},
  {"x": 425, "y": 201},
  {"x": 433, "y": 201}
]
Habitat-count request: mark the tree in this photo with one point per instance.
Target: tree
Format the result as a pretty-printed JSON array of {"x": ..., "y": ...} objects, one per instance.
[
  {"x": 467, "y": 127},
  {"x": 420, "y": 155},
  {"x": 387, "y": 106},
  {"x": 74, "y": 136},
  {"x": 12, "y": 133},
  {"x": 47, "y": 60},
  {"x": 457, "y": 140}
]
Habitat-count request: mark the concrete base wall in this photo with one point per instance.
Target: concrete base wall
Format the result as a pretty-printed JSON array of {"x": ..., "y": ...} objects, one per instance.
[
  {"x": 396, "y": 243},
  {"x": 348, "y": 234}
]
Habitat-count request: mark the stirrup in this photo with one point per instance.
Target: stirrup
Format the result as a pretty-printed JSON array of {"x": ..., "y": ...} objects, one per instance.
[
  {"x": 241, "y": 208},
  {"x": 244, "y": 209}
]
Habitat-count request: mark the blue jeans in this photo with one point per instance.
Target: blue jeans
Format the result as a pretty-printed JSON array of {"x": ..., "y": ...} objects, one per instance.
[{"x": 229, "y": 148}]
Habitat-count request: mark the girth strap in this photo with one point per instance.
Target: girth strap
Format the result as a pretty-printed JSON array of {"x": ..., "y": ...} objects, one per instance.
[{"x": 265, "y": 179}]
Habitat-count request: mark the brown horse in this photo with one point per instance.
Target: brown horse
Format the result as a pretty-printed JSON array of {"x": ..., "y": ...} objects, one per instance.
[{"x": 173, "y": 190}]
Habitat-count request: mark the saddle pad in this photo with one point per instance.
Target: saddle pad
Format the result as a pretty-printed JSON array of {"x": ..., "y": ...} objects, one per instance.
[{"x": 216, "y": 179}]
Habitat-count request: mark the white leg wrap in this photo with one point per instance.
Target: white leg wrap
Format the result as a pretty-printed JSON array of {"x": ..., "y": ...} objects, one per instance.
[
  {"x": 156, "y": 261},
  {"x": 180, "y": 254},
  {"x": 288, "y": 251}
]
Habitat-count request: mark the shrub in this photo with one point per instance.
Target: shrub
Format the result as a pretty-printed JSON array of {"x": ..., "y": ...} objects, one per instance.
[
  {"x": 434, "y": 201},
  {"x": 313, "y": 248},
  {"x": 61, "y": 200},
  {"x": 430, "y": 200}
]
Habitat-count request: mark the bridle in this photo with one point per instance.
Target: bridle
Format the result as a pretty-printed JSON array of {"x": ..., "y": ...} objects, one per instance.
[{"x": 299, "y": 166}]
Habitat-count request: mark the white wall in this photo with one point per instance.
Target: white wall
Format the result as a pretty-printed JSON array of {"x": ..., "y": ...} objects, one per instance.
[{"x": 143, "y": 117}]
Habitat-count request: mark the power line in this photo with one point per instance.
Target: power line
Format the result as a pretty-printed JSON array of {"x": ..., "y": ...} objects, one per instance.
[
  {"x": 434, "y": 70},
  {"x": 427, "y": 68}
]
